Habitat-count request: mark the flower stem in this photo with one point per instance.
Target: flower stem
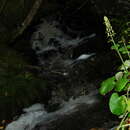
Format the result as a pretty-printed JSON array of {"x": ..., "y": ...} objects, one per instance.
[{"x": 118, "y": 53}]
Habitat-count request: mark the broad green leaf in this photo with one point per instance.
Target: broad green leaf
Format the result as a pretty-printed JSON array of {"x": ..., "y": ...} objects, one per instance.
[
  {"x": 107, "y": 85},
  {"x": 121, "y": 83},
  {"x": 117, "y": 104}
]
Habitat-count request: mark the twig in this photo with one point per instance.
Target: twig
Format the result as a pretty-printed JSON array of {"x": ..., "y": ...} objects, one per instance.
[
  {"x": 27, "y": 20},
  {"x": 80, "y": 7},
  {"x": 3, "y": 6},
  {"x": 125, "y": 115}
]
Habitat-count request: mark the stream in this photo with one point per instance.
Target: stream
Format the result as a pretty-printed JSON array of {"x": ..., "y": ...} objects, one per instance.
[{"x": 74, "y": 59}]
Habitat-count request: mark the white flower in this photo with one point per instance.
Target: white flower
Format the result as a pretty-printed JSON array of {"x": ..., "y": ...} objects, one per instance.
[{"x": 109, "y": 30}]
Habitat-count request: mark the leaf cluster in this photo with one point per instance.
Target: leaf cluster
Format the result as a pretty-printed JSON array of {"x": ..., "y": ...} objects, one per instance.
[
  {"x": 119, "y": 84},
  {"x": 122, "y": 28}
]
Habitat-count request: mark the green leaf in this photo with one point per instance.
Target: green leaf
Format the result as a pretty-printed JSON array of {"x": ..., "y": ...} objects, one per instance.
[
  {"x": 128, "y": 115},
  {"x": 128, "y": 105},
  {"x": 117, "y": 104},
  {"x": 125, "y": 52},
  {"x": 122, "y": 49},
  {"x": 128, "y": 46},
  {"x": 115, "y": 47},
  {"x": 107, "y": 85},
  {"x": 126, "y": 87},
  {"x": 121, "y": 83}
]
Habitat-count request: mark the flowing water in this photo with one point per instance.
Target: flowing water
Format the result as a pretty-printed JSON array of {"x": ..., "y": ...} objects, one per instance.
[
  {"x": 37, "y": 115},
  {"x": 74, "y": 71}
]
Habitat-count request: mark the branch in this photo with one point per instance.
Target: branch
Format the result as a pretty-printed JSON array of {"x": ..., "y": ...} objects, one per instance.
[{"x": 27, "y": 20}]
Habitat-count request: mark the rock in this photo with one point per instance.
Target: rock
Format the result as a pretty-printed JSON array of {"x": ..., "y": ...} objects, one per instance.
[
  {"x": 17, "y": 15},
  {"x": 37, "y": 116}
]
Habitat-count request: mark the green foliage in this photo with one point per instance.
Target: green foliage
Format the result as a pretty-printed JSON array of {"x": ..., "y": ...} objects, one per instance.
[
  {"x": 117, "y": 104},
  {"x": 107, "y": 85},
  {"x": 128, "y": 106},
  {"x": 122, "y": 28},
  {"x": 119, "y": 84},
  {"x": 110, "y": 83}
]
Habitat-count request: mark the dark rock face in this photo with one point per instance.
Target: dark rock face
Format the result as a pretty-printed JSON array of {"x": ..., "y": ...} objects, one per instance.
[
  {"x": 111, "y": 7},
  {"x": 13, "y": 13}
]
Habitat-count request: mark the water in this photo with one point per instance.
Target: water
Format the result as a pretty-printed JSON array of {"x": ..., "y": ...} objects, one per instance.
[
  {"x": 36, "y": 114},
  {"x": 55, "y": 51},
  {"x": 51, "y": 44}
]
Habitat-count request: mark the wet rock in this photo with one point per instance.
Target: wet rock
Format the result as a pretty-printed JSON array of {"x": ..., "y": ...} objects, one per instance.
[{"x": 36, "y": 118}]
